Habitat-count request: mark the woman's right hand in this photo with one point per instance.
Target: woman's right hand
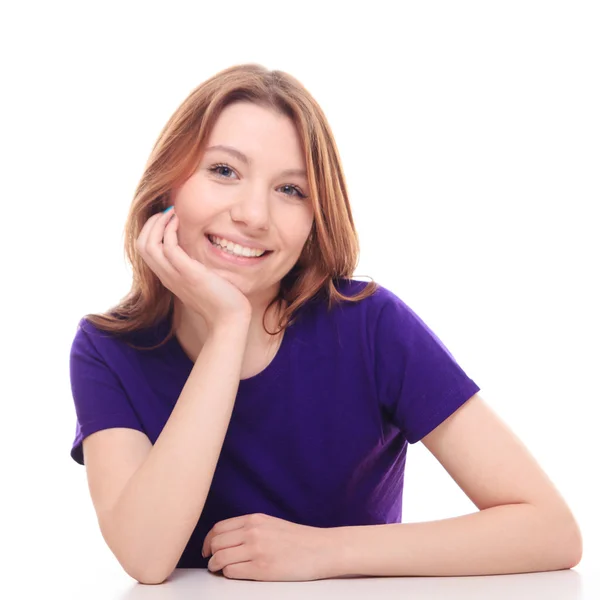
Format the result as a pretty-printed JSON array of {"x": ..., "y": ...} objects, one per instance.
[{"x": 202, "y": 290}]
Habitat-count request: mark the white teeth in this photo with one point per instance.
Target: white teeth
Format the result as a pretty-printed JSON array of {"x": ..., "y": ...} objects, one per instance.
[{"x": 233, "y": 248}]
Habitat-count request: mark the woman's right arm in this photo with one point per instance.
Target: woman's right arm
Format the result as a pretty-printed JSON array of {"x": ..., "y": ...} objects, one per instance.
[{"x": 150, "y": 523}]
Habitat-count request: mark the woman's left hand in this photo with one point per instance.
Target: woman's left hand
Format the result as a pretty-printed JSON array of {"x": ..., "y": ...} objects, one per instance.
[{"x": 266, "y": 548}]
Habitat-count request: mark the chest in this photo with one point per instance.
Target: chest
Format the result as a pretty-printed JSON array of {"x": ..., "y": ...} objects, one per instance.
[{"x": 258, "y": 357}]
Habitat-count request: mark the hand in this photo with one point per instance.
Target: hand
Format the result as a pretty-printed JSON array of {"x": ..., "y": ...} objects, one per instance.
[
  {"x": 265, "y": 548},
  {"x": 198, "y": 287}
]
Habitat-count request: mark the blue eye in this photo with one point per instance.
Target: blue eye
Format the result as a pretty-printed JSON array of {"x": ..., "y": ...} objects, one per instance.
[
  {"x": 216, "y": 170},
  {"x": 296, "y": 189}
]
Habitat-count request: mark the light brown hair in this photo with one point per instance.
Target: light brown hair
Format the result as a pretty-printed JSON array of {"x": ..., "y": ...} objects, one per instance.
[{"x": 332, "y": 249}]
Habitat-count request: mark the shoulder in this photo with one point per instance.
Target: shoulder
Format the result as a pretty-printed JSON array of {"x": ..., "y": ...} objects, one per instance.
[
  {"x": 148, "y": 336},
  {"x": 375, "y": 301},
  {"x": 382, "y": 304},
  {"x": 381, "y": 309},
  {"x": 112, "y": 347}
]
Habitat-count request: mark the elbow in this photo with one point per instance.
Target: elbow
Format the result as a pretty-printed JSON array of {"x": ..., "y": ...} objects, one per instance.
[
  {"x": 144, "y": 571},
  {"x": 575, "y": 545},
  {"x": 143, "y": 568},
  {"x": 148, "y": 577},
  {"x": 149, "y": 571},
  {"x": 150, "y": 580},
  {"x": 563, "y": 542},
  {"x": 570, "y": 540}
]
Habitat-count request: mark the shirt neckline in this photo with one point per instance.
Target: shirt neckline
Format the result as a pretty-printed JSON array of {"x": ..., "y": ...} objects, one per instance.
[{"x": 271, "y": 370}]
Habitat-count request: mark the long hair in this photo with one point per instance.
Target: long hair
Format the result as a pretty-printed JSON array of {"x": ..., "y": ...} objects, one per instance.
[{"x": 331, "y": 251}]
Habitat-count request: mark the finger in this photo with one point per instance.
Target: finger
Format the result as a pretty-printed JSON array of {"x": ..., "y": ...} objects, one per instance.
[
  {"x": 176, "y": 255},
  {"x": 148, "y": 227},
  {"x": 233, "y": 524},
  {"x": 243, "y": 570},
  {"x": 229, "y": 555},
  {"x": 206, "y": 544},
  {"x": 154, "y": 253},
  {"x": 157, "y": 230},
  {"x": 161, "y": 236}
]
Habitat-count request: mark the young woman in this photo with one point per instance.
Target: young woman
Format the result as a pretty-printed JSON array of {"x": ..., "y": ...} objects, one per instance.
[{"x": 248, "y": 405}]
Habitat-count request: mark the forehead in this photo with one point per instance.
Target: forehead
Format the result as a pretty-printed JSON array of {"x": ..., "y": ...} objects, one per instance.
[{"x": 258, "y": 132}]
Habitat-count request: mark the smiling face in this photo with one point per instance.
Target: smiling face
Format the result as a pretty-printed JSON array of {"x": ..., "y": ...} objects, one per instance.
[{"x": 261, "y": 199}]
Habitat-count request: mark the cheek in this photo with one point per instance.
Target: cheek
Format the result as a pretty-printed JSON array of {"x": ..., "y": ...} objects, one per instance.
[
  {"x": 195, "y": 201},
  {"x": 195, "y": 216}
]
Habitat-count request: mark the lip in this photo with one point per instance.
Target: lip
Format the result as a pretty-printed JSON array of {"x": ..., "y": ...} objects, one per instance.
[
  {"x": 236, "y": 260},
  {"x": 236, "y": 239}
]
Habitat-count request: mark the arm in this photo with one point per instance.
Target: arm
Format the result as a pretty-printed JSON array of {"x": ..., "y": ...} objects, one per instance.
[
  {"x": 523, "y": 525},
  {"x": 149, "y": 525},
  {"x": 517, "y": 538}
]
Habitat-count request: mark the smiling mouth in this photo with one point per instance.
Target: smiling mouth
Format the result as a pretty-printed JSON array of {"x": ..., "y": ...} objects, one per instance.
[
  {"x": 233, "y": 254},
  {"x": 212, "y": 238}
]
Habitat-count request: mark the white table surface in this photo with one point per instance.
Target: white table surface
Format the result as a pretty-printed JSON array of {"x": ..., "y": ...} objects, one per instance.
[{"x": 187, "y": 584}]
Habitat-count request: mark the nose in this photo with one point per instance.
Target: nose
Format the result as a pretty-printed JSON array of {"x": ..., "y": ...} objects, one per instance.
[{"x": 251, "y": 207}]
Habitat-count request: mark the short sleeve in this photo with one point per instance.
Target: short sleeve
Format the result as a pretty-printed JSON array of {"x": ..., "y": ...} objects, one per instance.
[
  {"x": 419, "y": 382},
  {"x": 100, "y": 400}
]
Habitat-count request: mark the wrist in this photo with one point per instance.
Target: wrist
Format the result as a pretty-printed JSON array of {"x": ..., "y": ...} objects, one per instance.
[
  {"x": 234, "y": 325},
  {"x": 334, "y": 558}
]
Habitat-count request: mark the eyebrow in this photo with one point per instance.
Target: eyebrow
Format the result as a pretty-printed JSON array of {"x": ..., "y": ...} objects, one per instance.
[{"x": 241, "y": 156}]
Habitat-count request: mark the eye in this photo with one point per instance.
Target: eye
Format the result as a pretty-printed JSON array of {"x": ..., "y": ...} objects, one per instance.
[
  {"x": 216, "y": 169},
  {"x": 296, "y": 189}
]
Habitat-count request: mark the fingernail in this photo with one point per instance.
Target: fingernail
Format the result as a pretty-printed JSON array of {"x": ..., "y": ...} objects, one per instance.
[{"x": 166, "y": 209}]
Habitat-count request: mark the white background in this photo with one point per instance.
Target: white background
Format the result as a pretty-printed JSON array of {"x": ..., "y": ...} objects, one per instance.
[{"x": 469, "y": 134}]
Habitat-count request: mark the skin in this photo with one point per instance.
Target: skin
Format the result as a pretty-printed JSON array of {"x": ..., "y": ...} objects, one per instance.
[{"x": 255, "y": 201}]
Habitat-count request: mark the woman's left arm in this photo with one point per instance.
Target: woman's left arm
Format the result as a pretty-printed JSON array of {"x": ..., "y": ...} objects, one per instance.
[{"x": 524, "y": 524}]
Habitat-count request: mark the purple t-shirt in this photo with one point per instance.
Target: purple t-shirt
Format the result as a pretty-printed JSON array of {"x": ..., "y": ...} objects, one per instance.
[{"x": 319, "y": 437}]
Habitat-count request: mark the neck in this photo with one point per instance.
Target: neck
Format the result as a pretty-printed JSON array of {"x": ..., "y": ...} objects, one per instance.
[{"x": 191, "y": 328}]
